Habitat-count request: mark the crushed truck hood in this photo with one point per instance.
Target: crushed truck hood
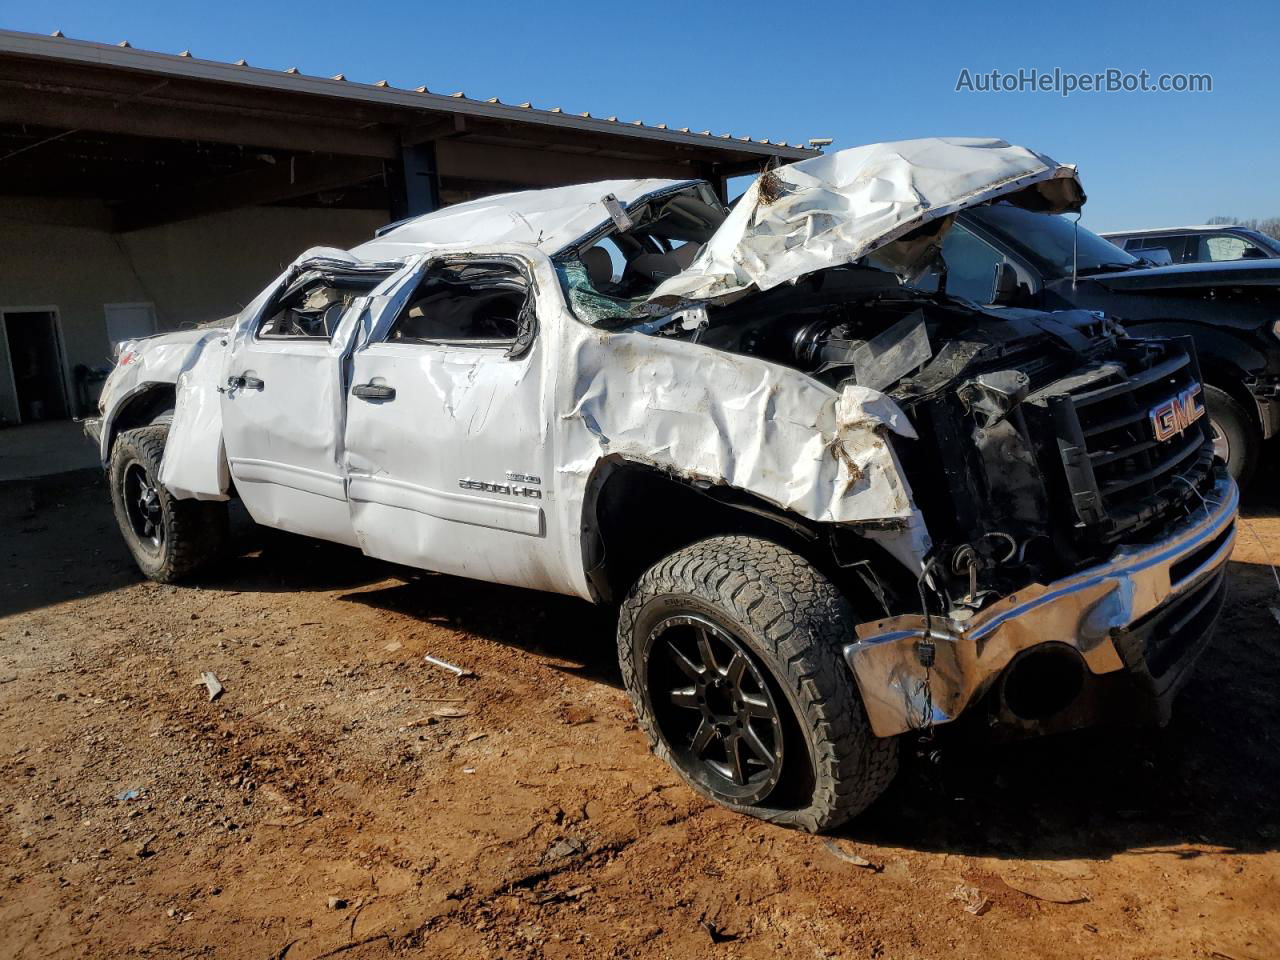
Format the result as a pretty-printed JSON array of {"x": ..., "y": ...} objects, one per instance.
[
  {"x": 841, "y": 207},
  {"x": 549, "y": 219}
]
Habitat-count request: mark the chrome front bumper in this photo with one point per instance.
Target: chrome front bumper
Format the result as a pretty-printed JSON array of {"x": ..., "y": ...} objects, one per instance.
[{"x": 1098, "y": 611}]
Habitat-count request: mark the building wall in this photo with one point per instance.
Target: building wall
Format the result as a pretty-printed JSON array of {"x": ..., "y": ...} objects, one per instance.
[{"x": 61, "y": 254}]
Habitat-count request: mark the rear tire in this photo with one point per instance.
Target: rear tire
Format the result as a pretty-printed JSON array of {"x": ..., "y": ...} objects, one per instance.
[
  {"x": 1236, "y": 437},
  {"x": 170, "y": 539},
  {"x": 731, "y": 652}
]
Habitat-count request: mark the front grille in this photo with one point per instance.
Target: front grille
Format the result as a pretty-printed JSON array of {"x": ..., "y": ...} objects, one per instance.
[{"x": 1117, "y": 473}]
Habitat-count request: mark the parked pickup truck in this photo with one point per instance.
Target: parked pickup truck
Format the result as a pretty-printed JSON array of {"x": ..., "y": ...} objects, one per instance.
[
  {"x": 999, "y": 253},
  {"x": 831, "y": 509}
]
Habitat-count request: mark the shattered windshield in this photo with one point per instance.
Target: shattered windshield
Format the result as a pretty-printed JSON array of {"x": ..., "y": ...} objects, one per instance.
[
  {"x": 607, "y": 277},
  {"x": 1052, "y": 241}
]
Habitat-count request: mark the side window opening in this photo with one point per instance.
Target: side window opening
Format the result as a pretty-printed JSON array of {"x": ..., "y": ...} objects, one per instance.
[
  {"x": 312, "y": 305},
  {"x": 479, "y": 302}
]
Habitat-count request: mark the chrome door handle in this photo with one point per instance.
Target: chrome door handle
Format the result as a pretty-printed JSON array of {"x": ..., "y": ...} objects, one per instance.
[{"x": 373, "y": 391}]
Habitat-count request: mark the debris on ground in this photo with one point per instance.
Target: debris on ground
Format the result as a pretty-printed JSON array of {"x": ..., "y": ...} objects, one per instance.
[
  {"x": 450, "y": 713},
  {"x": 853, "y": 858},
  {"x": 457, "y": 671},
  {"x": 337, "y": 903},
  {"x": 716, "y": 933},
  {"x": 974, "y": 900},
  {"x": 211, "y": 684},
  {"x": 563, "y": 896},
  {"x": 131, "y": 794},
  {"x": 566, "y": 847},
  {"x": 1053, "y": 891}
]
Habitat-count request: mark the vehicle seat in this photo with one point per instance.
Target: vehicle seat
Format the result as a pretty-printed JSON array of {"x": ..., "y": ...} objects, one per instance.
[
  {"x": 654, "y": 267},
  {"x": 599, "y": 267}
]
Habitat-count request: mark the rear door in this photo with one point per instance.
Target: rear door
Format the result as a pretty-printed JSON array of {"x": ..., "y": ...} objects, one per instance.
[
  {"x": 282, "y": 401},
  {"x": 448, "y": 446}
]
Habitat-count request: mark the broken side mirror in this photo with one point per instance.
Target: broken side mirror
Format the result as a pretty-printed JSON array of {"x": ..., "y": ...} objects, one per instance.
[{"x": 1004, "y": 288}]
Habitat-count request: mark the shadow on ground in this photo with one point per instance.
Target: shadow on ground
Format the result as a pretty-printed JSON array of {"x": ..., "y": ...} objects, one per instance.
[
  {"x": 1209, "y": 778},
  {"x": 572, "y": 631}
]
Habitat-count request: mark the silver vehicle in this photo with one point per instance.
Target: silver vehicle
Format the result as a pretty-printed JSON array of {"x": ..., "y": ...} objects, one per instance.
[{"x": 830, "y": 509}]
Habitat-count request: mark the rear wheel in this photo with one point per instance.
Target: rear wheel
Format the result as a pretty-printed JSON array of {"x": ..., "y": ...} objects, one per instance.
[
  {"x": 1235, "y": 437},
  {"x": 731, "y": 653},
  {"x": 169, "y": 539}
]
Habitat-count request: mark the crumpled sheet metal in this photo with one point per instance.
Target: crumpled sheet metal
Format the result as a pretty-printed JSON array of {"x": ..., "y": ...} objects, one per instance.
[
  {"x": 720, "y": 418},
  {"x": 549, "y": 219},
  {"x": 195, "y": 459},
  {"x": 842, "y": 206},
  {"x": 157, "y": 360},
  {"x": 1085, "y": 610}
]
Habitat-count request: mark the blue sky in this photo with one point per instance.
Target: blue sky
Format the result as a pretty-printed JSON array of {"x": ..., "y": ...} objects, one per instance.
[{"x": 859, "y": 72}]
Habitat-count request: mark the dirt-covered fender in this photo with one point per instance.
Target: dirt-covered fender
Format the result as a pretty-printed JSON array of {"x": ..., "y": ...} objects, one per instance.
[{"x": 719, "y": 418}]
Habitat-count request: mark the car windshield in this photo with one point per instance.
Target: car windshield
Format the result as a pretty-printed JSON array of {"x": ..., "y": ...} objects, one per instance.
[{"x": 1052, "y": 242}]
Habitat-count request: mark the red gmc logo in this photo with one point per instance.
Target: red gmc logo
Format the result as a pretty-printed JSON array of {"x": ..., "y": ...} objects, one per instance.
[{"x": 1177, "y": 413}]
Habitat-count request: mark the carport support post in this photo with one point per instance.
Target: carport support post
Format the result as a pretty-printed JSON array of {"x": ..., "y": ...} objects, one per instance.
[{"x": 413, "y": 183}]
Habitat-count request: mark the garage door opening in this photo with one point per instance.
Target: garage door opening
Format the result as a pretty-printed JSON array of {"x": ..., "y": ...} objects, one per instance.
[{"x": 35, "y": 362}]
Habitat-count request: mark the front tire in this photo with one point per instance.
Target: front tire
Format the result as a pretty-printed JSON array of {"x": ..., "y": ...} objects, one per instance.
[
  {"x": 1235, "y": 437},
  {"x": 731, "y": 652},
  {"x": 170, "y": 539}
]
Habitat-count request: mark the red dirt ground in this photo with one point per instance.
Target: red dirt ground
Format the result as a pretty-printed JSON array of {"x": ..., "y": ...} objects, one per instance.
[{"x": 519, "y": 814}]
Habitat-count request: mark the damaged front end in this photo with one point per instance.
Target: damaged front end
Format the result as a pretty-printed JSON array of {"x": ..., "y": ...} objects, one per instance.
[
  {"x": 1060, "y": 652},
  {"x": 1059, "y": 513}
]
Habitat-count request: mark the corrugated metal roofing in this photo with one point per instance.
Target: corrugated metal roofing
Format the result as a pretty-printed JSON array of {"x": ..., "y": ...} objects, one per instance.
[{"x": 184, "y": 64}]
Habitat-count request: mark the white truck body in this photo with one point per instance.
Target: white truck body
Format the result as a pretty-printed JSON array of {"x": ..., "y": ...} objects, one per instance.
[{"x": 482, "y": 457}]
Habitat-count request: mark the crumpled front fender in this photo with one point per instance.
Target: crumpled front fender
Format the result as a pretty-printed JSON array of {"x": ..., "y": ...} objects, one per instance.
[{"x": 718, "y": 418}]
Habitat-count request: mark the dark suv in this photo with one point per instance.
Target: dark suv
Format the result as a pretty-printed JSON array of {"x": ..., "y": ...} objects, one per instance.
[
  {"x": 1008, "y": 256},
  {"x": 1208, "y": 244}
]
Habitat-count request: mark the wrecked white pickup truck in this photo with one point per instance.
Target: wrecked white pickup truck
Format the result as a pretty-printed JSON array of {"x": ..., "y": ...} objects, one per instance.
[{"x": 833, "y": 509}]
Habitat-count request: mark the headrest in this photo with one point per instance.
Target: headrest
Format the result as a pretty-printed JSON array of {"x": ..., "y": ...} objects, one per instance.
[{"x": 599, "y": 266}]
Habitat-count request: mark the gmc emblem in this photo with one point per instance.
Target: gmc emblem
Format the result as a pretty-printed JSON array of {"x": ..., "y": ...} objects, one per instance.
[{"x": 1177, "y": 413}]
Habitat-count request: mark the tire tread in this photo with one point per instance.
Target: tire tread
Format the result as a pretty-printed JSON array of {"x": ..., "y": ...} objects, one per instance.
[{"x": 802, "y": 621}]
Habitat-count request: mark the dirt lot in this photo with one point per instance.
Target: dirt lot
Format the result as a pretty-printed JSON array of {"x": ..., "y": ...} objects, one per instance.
[{"x": 518, "y": 814}]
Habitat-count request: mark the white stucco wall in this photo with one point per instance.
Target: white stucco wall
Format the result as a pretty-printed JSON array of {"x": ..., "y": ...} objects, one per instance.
[{"x": 60, "y": 254}]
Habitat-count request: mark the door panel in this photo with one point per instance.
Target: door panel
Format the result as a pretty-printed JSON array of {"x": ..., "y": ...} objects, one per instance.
[
  {"x": 428, "y": 471},
  {"x": 284, "y": 392},
  {"x": 283, "y": 436},
  {"x": 453, "y": 474}
]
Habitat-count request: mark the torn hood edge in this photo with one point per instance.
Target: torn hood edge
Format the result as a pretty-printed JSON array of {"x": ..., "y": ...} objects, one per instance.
[{"x": 835, "y": 209}]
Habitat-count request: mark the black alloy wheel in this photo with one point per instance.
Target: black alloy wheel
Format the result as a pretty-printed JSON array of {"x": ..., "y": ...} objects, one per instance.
[{"x": 714, "y": 707}]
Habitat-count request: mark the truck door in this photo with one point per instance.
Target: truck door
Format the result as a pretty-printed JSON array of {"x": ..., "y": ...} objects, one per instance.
[
  {"x": 448, "y": 447},
  {"x": 282, "y": 400}
]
